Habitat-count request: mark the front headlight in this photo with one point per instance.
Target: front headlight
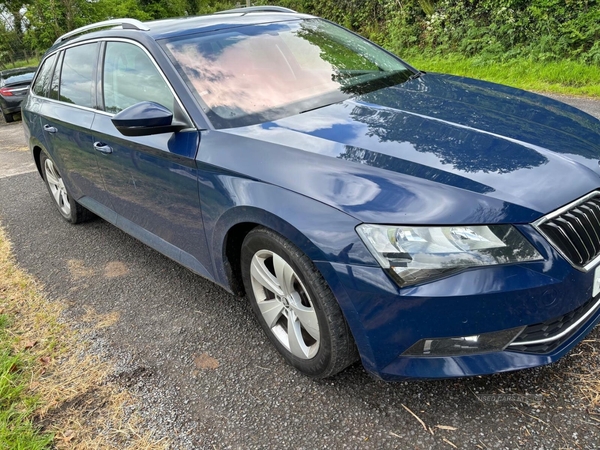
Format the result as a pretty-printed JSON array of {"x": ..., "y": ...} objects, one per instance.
[{"x": 415, "y": 255}]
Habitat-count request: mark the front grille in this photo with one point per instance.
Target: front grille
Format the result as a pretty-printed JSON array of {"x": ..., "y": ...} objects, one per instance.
[
  {"x": 540, "y": 338},
  {"x": 575, "y": 230}
]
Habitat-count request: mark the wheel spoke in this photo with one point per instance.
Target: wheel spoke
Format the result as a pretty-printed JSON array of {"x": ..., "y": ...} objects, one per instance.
[
  {"x": 308, "y": 319},
  {"x": 285, "y": 274},
  {"x": 271, "y": 311},
  {"x": 50, "y": 168},
  {"x": 262, "y": 275},
  {"x": 66, "y": 206},
  {"x": 56, "y": 194},
  {"x": 52, "y": 178},
  {"x": 295, "y": 340}
]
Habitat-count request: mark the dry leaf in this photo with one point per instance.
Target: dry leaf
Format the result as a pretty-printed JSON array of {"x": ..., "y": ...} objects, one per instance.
[
  {"x": 30, "y": 344},
  {"x": 205, "y": 361}
]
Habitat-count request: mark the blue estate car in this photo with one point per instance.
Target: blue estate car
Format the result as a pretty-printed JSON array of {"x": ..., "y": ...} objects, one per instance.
[{"x": 432, "y": 226}]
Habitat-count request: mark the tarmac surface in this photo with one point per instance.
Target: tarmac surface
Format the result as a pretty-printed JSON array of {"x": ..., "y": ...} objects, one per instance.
[{"x": 206, "y": 377}]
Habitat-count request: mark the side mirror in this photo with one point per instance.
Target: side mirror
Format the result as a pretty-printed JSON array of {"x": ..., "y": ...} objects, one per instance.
[{"x": 145, "y": 119}]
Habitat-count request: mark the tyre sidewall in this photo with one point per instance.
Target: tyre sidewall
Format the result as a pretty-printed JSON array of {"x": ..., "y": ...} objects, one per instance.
[{"x": 257, "y": 241}]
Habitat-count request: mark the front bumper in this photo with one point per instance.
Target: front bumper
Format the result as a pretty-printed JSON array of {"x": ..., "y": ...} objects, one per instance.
[{"x": 386, "y": 320}]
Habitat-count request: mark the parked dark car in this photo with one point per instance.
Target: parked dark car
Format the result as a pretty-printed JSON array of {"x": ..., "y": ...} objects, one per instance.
[
  {"x": 432, "y": 225},
  {"x": 14, "y": 85}
]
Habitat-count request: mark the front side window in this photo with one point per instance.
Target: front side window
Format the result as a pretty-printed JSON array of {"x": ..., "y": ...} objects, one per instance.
[
  {"x": 42, "y": 82},
  {"x": 131, "y": 77},
  {"x": 250, "y": 75},
  {"x": 77, "y": 81}
]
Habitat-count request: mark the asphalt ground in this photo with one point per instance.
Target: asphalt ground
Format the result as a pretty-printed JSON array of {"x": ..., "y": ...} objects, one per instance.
[{"x": 206, "y": 377}]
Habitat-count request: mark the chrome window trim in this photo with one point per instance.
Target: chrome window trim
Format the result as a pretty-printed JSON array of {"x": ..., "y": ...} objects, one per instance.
[
  {"x": 593, "y": 263},
  {"x": 109, "y": 39},
  {"x": 574, "y": 325}
]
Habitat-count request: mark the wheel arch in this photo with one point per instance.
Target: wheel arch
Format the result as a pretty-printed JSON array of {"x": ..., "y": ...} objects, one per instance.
[
  {"x": 233, "y": 227},
  {"x": 36, "y": 150}
]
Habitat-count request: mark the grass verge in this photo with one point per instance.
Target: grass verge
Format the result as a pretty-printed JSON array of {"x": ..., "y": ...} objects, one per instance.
[
  {"x": 31, "y": 62},
  {"x": 559, "y": 77},
  {"x": 53, "y": 392}
]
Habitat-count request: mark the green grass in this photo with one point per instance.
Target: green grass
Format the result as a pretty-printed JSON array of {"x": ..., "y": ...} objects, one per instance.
[
  {"x": 559, "y": 77},
  {"x": 33, "y": 62},
  {"x": 16, "y": 406}
]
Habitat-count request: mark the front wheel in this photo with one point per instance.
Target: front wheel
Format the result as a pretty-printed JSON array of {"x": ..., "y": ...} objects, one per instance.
[
  {"x": 295, "y": 306},
  {"x": 68, "y": 208}
]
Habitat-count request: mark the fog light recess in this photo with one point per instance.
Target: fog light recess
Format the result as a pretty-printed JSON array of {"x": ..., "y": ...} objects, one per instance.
[{"x": 464, "y": 345}]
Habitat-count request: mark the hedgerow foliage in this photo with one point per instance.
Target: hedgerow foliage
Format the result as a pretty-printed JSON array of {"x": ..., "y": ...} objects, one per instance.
[{"x": 492, "y": 29}]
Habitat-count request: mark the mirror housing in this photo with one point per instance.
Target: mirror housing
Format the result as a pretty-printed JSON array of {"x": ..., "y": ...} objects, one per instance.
[{"x": 145, "y": 119}]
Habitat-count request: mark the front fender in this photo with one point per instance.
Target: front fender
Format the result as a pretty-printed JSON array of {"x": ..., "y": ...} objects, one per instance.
[{"x": 320, "y": 231}]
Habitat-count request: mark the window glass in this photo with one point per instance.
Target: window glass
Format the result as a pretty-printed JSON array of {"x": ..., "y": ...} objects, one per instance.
[
  {"x": 42, "y": 82},
  {"x": 56, "y": 78},
  {"x": 77, "y": 75},
  {"x": 131, "y": 77},
  {"x": 19, "y": 77},
  {"x": 254, "y": 74}
]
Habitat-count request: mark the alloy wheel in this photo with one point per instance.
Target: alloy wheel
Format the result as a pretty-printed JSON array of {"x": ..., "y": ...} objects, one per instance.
[
  {"x": 285, "y": 304},
  {"x": 57, "y": 187}
]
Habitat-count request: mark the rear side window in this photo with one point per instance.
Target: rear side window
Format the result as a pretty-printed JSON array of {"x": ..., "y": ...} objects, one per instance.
[
  {"x": 131, "y": 77},
  {"x": 42, "y": 82},
  {"x": 77, "y": 81}
]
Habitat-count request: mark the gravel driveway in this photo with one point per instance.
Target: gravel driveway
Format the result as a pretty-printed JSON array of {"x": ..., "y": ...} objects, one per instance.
[{"x": 207, "y": 377}]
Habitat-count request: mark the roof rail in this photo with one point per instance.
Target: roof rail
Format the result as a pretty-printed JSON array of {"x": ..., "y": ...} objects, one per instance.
[
  {"x": 130, "y": 24},
  {"x": 251, "y": 9}
]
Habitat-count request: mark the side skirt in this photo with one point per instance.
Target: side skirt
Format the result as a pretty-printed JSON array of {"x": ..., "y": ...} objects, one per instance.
[{"x": 150, "y": 239}]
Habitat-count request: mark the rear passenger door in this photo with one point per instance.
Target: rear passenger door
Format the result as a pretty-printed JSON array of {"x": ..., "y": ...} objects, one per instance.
[
  {"x": 66, "y": 116},
  {"x": 152, "y": 180}
]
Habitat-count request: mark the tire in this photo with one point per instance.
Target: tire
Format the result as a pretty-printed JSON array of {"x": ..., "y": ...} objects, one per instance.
[
  {"x": 297, "y": 296},
  {"x": 8, "y": 118},
  {"x": 68, "y": 208}
]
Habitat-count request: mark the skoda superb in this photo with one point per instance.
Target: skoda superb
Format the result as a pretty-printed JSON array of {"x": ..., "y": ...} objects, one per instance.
[{"x": 432, "y": 226}]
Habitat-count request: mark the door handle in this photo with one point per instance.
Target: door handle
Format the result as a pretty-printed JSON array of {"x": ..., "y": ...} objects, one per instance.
[
  {"x": 102, "y": 147},
  {"x": 50, "y": 129}
]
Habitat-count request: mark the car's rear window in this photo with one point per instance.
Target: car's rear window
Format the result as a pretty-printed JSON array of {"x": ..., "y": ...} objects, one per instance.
[
  {"x": 254, "y": 74},
  {"x": 22, "y": 78}
]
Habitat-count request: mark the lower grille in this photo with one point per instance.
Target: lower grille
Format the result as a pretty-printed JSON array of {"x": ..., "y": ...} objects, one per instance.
[{"x": 547, "y": 336}]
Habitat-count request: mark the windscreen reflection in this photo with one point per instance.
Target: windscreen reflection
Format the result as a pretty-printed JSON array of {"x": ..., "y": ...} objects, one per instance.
[{"x": 249, "y": 75}]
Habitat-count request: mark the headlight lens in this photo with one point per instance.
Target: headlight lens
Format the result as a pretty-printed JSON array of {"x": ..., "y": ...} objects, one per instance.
[{"x": 418, "y": 254}]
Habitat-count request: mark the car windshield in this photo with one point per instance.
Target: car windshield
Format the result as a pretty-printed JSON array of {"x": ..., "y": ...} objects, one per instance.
[{"x": 249, "y": 75}]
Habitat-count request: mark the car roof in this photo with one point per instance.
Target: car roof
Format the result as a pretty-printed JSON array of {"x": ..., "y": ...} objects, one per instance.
[
  {"x": 160, "y": 29},
  {"x": 166, "y": 28}
]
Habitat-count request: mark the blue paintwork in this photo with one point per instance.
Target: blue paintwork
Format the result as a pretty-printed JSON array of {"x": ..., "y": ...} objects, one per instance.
[
  {"x": 448, "y": 157},
  {"x": 434, "y": 150},
  {"x": 143, "y": 114}
]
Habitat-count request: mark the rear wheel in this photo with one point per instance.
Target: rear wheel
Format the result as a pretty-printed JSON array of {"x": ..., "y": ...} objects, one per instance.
[
  {"x": 67, "y": 207},
  {"x": 295, "y": 306},
  {"x": 8, "y": 117}
]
